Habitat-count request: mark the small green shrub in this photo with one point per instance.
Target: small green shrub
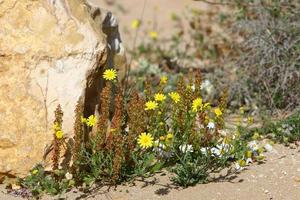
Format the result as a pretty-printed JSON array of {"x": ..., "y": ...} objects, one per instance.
[{"x": 286, "y": 130}]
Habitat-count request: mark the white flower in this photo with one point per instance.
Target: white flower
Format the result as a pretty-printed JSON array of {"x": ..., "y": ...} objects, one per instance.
[
  {"x": 249, "y": 160},
  {"x": 68, "y": 176},
  {"x": 253, "y": 145},
  {"x": 193, "y": 87},
  {"x": 268, "y": 147},
  {"x": 207, "y": 86},
  {"x": 211, "y": 125},
  {"x": 203, "y": 150},
  {"x": 238, "y": 167},
  {"x": 186, "y": 148},
  {"x": 215, "y": 151}
]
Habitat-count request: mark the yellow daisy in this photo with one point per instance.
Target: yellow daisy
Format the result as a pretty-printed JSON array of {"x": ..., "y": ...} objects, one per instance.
[
  {"x": 163, "y": 80},
  {"x": 110, "y": 74},
  {"x": 197, "y": 105},
  {"x": 91, "y": 121},
  {"x": 59, "y": 134},
  {"x": 153, "y": 35},
  {"x": 174, "y": 96},
  {"x": 34, "y": 172},
  {"x": 159, "y": 97},
  {"x": 218, "y": 112},
  {"x": 135, "y": 23},
  {"x": 145, "y": 140},
  {"x": 151, "y": 105},
  {"x": 56, "y": 127}
]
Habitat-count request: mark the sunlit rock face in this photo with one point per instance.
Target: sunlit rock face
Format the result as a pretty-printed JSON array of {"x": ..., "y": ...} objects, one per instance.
[{"x": 51, "y": 52}]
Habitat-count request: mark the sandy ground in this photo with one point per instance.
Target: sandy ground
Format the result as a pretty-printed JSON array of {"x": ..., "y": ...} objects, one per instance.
[
  {"x": 154, "y": 14},
  {"x": 276, "y": 179}
]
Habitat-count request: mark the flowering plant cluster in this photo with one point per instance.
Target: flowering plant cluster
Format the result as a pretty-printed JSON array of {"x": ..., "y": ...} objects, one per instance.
[{"x": 143, "y": 133}]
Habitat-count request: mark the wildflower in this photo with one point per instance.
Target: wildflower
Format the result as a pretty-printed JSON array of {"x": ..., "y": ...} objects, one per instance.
[
  {"x": 170, "y": 136},
  {"x": 56, "y": 127},
  {"x": 110, "y": 74},
  {"x": 197, "y": 104},
  {"x": 145, "y": 140},
  {"x": 211, "y": 125},
  {"x": 159, "y": 97},
  {"x": 206, "y": 105},
  {"x": 242, "y": 110},
  {"x": 91, "y": 121},
  {"x": 250, "y": 120},
  {"x": 135, "y": 23},
  {"x": 153, "y": 35},
  {"x": 249, "y": 160},
  {"x": 240, "y": 165},
  {"x": 162, "y": 138},
  {"x": 174, "y": 96},
  {"x": 248, "y": 154},
  {"x": 59, "y": 134},
  {"x": 83, "y": 120},
  {"x": 163, "y": 80},
  {"x": 255, "y": 136},
  {"x": 151, "y": 105},
  {"x": 68, "y": 176},
  {"x": 34, "y": 172},
  {"x": 216, "y": 151},
  {"x": 186, "y": 148},
  {"x": 218, "y": 112},
  {"x": 253, "y": 145}
]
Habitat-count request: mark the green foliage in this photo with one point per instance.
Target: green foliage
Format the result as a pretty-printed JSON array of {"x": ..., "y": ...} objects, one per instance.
[
  {"x": 286, "y": 130},
  {"x": 190, "y": 170},
  {"x": 39, "y": 181}
]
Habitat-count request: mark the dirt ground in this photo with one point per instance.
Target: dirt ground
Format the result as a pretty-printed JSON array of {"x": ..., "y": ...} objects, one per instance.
[
  {"x": 154, "y": 14},
  {"x": 276, "y": 179}
]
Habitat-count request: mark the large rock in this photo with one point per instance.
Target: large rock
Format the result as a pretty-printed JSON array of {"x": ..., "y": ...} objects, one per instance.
[{"x": 51, "y": 52}]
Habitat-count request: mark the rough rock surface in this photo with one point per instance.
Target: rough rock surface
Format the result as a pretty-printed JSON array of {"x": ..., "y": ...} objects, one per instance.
[{"x": 51, "y": 52}]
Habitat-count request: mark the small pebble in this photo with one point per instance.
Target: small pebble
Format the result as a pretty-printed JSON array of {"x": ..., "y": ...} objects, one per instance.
[{"x": 266, "y": 191}]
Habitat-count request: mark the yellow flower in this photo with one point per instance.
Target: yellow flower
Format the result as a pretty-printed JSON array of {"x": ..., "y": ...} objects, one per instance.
[
  {"x": 163, "y": 80},
  {"x": 174, "y": 96},
  {"x": 197, "y": 105},
  {"x": 250, "y": 120},
  {"x": 242, "y": 110},
  {"x": 159, "y": 97},
  {"x": 218, "y": 112},
  {"x": 206, "y": 105},
  {"x": 83, "y": 120},
  {"x": 153, "y": 35},
  {"x": 91, "y": 121},
  {"x": 162, "y": 138},
  {"x": 248, "y": 154},
  {"x": 145, "y": 140},
  {"x": 169, "y": 137},
  {"x": 242, "y": 163},
  {"x": 56, "y": 127},
  {"x": 110, "y": 74},
  {"x": 34, "y": 172},
  {"x": 151, "y": 105},
  {"x": 135, "y": 23},
  {"x": 59, "y": 134}
]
